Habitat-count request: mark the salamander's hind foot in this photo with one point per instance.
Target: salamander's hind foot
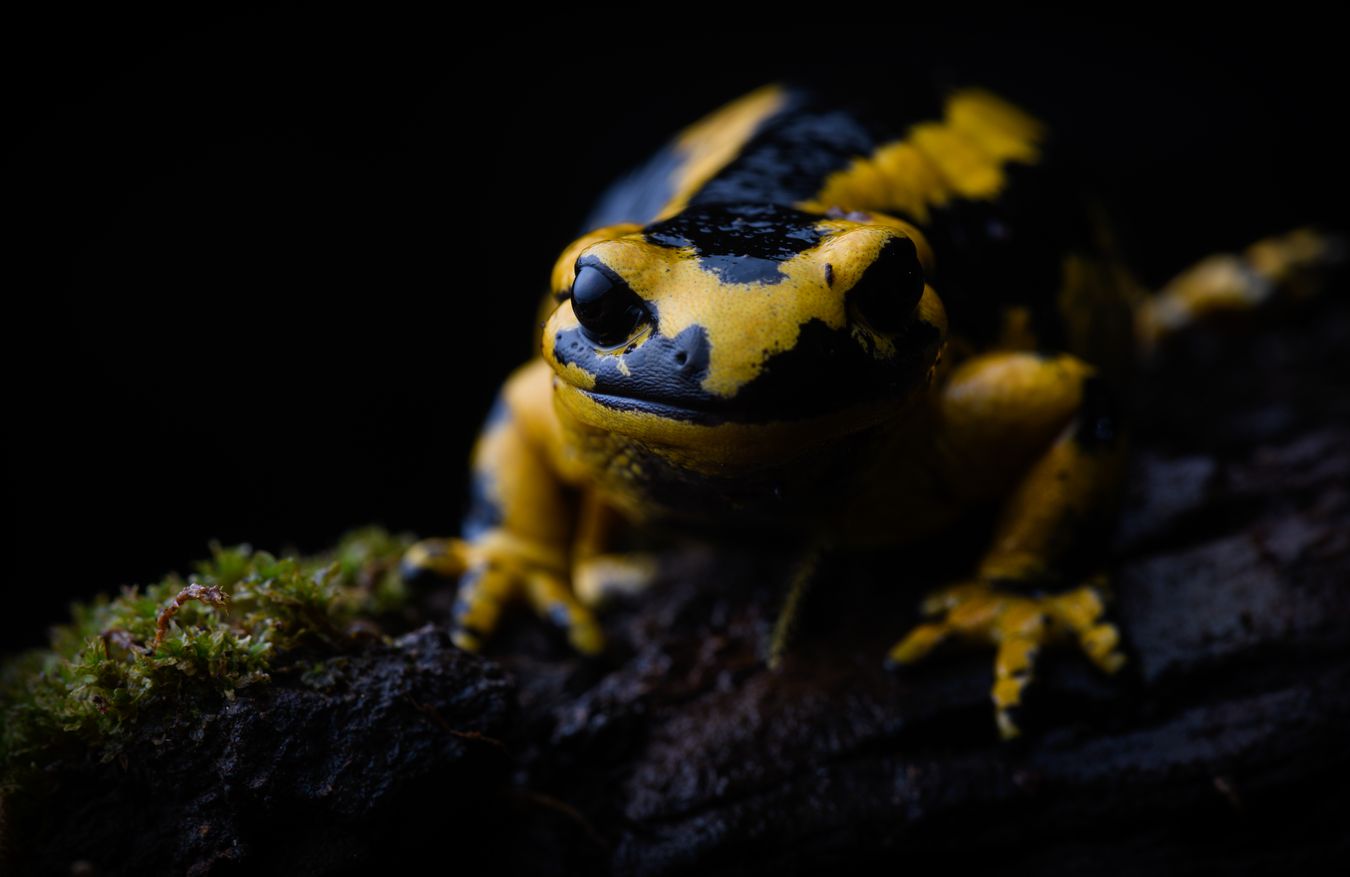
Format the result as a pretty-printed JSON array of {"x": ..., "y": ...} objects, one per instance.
[
  {"x": 1018, "y": 626},
  {"x": 495, "y": 572},
  {"x": 1289, "y": 266}
]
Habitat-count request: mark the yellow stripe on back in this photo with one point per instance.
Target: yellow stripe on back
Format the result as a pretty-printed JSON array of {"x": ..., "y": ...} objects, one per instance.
[{"x": 962, "y": 156}]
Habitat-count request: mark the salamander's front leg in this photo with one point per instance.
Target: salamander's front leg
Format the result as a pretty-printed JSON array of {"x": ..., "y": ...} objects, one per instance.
[
  {"x": 514, "y": 543},
  {"x": 996, "y": 410},
  {"x": 1016, "y": 625},
  {"x": 495, "y": 572}
]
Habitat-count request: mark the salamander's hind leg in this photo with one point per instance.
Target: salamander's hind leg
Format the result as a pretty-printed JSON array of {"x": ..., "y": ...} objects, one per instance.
[
  {"x": 996, "y": 410},
  {"x": 1291, "y": 266}
]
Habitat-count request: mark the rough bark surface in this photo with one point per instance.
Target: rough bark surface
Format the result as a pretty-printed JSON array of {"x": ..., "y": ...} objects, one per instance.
[{"x": 1221, "y": 747}]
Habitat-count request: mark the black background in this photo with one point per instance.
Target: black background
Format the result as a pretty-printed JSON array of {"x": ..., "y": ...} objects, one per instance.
[{"x": 265, "y": 273}]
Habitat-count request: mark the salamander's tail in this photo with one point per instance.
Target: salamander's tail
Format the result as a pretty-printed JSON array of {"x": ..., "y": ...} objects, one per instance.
[{"x": 1291, "y": 266}]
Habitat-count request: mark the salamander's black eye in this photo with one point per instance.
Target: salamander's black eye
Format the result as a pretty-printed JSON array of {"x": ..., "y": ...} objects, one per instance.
[
  {"x": 607, "y": 309},
  {"x": 889, "y": 290}
]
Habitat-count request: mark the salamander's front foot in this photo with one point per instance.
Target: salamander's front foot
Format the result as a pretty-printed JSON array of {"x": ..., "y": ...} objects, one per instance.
[
  {"x": 1018, "y": 626},
  {"x": 494, "y": 571}
]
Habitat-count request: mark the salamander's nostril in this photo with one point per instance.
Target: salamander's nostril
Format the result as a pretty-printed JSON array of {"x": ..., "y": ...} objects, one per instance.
[{"x": 684, "y": 358}]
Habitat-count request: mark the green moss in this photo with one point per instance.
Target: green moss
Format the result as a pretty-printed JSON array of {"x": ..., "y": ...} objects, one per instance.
[{"x": 105, "y": 667}]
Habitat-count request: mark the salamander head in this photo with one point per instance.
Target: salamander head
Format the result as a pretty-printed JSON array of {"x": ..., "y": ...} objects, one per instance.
[{"x": 742, "y": 316}]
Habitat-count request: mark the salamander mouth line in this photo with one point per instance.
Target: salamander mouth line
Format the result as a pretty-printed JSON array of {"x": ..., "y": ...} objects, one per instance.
[
  {"x": 856, "y": 412},
  {"x": 650, "y": 406}
]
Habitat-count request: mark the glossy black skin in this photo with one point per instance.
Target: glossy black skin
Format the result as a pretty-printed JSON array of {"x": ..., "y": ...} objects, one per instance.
[{"x": 739, "y": 242}]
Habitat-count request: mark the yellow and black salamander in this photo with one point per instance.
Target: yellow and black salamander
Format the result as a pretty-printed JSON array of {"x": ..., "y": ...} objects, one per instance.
[{"x": 849, "y": 321}]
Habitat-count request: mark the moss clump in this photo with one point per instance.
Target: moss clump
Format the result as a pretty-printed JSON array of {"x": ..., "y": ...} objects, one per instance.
[{"x": 244, "y": 615}]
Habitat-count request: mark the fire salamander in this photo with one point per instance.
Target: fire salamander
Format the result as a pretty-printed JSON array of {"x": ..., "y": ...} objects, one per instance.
[{"x": 850, "y": 322}]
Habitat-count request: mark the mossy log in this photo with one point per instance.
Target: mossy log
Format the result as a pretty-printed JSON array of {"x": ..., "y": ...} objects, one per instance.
[{"x": 1221, "y": 747}]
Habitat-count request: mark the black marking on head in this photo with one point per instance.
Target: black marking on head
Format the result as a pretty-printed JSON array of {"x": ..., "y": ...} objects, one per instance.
[
  {"x": 829, "y": 274},
  {"x": 828, "y": 368},
  {"x": 1098, "y": 424},
  {"x": 740, "y": 243}
]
